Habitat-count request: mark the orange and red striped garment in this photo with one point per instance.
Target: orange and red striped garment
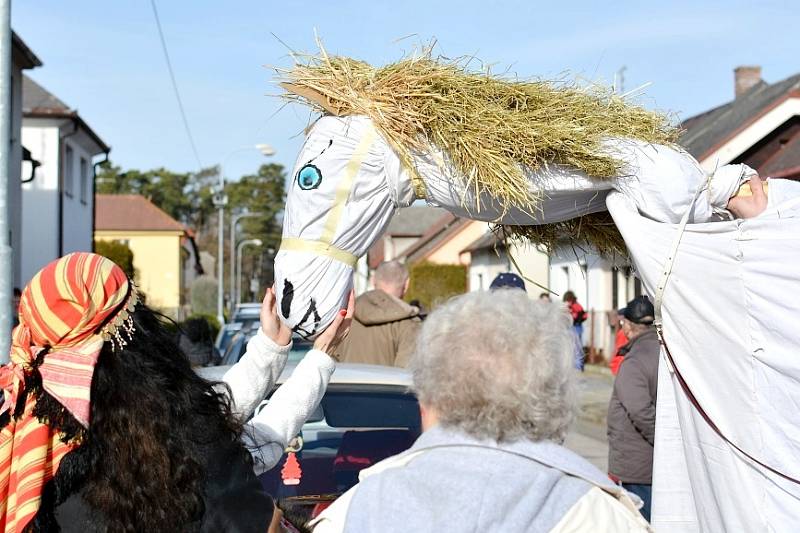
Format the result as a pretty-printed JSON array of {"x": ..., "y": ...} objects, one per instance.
[{"x": 62, "y": 310}]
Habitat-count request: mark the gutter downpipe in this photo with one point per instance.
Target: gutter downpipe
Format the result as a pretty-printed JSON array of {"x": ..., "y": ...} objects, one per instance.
[
  {"x": 94, "y": 192},
  {"x": 6, "y": 253}
]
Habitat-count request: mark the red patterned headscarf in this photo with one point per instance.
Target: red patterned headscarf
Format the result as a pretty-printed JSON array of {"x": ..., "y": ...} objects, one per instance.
[{"x": 70, "y": 308}]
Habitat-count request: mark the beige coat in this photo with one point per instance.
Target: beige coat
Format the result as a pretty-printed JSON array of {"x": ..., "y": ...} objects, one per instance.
[{"x": 384, "y": 331}]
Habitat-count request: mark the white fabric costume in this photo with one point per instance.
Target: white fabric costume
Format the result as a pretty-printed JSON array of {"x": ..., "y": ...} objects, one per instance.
[{"x": 729, "y": 305}]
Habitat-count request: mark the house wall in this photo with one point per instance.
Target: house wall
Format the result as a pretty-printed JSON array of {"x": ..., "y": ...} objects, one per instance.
[
  {"x": 40, "y": 197},
  {"x": 66, "y": 164},
  {"x": 157, "y": 260},
  {"x": 450, "y": 251},
  {"x": 591, "y": 278},
  {"x": 79, "y": 202},
  {"x": 485, "y": 265}
]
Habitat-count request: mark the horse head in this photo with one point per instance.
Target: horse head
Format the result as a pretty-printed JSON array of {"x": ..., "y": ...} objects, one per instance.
[{"x": 338, "y": 203}]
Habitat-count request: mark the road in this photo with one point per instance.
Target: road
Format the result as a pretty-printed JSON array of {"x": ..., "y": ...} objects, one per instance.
[{"x": 587, "y": 436}]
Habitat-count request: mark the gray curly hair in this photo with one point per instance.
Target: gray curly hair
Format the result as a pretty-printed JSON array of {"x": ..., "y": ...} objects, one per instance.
[{"x": 498, "y": 365}]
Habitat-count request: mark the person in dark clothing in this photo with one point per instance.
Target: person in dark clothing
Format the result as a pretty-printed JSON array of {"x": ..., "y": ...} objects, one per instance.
[
  {"x": 127, "y": 436},
  {"x": 507, "y": 280},
  {"x": 632, "y": 409},
  {"x": 15, "y": 307},
  {"x": 384, "y": 330},
  {"x": 195, "y": 341}
]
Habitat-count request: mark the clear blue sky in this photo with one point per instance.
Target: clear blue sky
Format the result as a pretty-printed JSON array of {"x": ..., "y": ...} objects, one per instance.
[{"x": 104, "y": 58}]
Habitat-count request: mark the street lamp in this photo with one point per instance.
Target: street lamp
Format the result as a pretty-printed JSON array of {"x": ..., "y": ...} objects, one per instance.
[
  {"x": 234, "y": 221},
  {"x": 254, "y": 242},
  {"x": 220, "y": 201}
]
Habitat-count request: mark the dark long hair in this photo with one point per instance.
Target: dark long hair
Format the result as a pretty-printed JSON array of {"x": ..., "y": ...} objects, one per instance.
[{"x": 141, "y": 466}]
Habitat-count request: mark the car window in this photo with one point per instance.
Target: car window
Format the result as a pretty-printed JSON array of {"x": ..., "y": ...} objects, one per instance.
[
  {"x": 236, "y": 348},
  {"x": 300, "y": 348},
  {"x": 354, "y": 428},
  {"x": 225, "y": 335}
]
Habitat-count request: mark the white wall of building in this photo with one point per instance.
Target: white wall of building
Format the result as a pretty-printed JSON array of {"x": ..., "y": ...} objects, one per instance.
[
  {"x": 591, "y": 278},
  {"x": 78, "y": 204},
  {"x": 485, "y": 265},
  {"x": 51, "y": 143},
  {"x": 40, "y": 198}
]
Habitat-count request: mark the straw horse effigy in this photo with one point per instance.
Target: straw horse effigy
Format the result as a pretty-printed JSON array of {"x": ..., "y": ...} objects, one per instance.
[{"x": 549, "y": 162}]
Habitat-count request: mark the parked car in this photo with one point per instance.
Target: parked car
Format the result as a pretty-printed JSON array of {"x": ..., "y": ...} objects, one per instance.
[
  {"x": 368, "y": 413},
  {"x": 246, "y": 312},
  {"x": 236, "y": 345},
  {"x": 244, "y": 316},
  {"x": 225, "y": 334}
]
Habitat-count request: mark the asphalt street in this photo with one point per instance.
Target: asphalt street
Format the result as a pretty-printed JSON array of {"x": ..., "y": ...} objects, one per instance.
[{"x": 587, "y": 436}]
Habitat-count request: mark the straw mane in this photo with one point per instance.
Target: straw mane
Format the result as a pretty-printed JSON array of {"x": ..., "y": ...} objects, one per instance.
[{"x": 491, "y": 128}]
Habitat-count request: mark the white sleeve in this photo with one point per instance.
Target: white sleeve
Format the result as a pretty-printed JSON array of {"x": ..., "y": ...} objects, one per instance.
[
  {"x": 270, "y": 431},
  {"x": 663, "y": 180},
  {"x": 599, "y": 512},
  {"x": 332, "y": 519},
  {"x": 255, "y": 374}
]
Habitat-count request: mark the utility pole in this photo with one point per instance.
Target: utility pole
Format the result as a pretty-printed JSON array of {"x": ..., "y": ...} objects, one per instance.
[
  {"x": 220, "y": 201},
  {"x": 6, "y": 271}
]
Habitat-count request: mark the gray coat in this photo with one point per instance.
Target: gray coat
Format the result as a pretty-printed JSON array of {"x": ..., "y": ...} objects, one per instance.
[
  {"x": 465, "y": 484},
  {"x": 632, "y": 412}
]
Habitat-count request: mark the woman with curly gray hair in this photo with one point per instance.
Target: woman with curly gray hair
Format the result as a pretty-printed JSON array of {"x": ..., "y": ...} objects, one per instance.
[{"x": 493, "y": 374}]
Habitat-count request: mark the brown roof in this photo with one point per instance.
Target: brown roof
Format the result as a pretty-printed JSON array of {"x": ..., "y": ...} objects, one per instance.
[
  {"x": 438, "y": 234},
  {"x": 22, "y": 55},
  {"x": 131, "y": 212},
  {"x": 485, "y": 242},
  {"x": 38, "y": 102},
  {"x": 709, "y": 130}
]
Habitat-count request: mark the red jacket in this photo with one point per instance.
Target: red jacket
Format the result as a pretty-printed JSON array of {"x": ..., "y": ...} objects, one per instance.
[
  {"x": 577, "y": 312},
  {"x": 620, "y": 341}
]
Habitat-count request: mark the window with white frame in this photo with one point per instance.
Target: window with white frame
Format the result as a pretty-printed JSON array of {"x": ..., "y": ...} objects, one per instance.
[
  {"x": 84, "y": 177},
  {"x": 69, "y": 170}
]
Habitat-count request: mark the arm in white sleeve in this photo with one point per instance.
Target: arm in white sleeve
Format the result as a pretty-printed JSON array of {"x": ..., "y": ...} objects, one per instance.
[
  {"x": 270, "y": 431},
  {"x": 255, "y": 374}
]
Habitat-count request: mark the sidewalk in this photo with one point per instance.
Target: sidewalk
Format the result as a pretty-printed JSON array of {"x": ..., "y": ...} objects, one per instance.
[{"x": 587, "y": 436}]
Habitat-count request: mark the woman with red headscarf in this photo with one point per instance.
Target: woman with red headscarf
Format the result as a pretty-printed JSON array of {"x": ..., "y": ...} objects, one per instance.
[{"x": 104, "y": 425}]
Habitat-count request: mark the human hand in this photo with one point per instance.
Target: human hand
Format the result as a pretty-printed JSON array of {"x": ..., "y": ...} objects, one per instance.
[
  {"x": 271, "y": 325},
  {"x": 752, "y": 205},
  {"x": 329, "y": 339}
]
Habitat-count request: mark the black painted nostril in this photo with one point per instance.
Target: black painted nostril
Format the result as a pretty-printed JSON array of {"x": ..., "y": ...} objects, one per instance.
[{"x": 286, "y": 300}]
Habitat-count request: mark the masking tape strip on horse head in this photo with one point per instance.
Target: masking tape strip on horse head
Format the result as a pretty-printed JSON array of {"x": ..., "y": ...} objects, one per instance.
[{"x": 319, "y": 248}]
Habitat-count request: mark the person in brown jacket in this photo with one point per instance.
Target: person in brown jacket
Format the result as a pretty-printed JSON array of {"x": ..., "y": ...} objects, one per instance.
[
  {"x": 632, "y": 409},
  {"x": 384, "y": 329}
]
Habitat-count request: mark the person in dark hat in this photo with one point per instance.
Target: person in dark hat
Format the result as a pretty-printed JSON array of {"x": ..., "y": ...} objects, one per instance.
[
  {"x": 632, "y": 409},
  {"x": 507, "y": 280}
]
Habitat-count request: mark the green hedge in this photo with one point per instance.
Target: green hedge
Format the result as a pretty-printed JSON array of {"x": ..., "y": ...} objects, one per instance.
[
  {"x": 432, "y": 284},
  {"x": 118, "y": 252}
]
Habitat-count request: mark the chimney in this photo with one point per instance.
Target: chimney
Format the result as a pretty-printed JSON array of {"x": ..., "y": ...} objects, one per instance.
[{"x": 744, "y": 78}]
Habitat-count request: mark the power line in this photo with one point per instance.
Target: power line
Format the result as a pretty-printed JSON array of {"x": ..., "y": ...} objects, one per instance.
[{"x": 175, "y": 86}]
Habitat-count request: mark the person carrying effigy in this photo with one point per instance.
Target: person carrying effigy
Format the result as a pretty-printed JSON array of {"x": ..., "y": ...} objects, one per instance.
[{"x": 549, "y": 163}]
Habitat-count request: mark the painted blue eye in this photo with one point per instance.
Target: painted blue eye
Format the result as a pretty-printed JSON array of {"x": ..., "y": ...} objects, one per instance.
[{"x": 309, "y": 177}]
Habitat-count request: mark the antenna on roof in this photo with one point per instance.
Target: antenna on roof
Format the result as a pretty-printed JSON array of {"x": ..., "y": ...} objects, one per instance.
[{"x": 619, "y": 80}]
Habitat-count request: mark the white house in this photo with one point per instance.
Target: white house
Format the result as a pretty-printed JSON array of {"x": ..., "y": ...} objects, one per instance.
[
  {"x": 58, "y": 197},
  {"x": 22, "y": 58},
  {"x": 488, "y": 256},
  {"x": 600, "y": 286}
]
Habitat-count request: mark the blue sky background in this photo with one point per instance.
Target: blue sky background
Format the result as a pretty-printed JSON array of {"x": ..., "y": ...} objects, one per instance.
[{"x": 104, "y": 58}]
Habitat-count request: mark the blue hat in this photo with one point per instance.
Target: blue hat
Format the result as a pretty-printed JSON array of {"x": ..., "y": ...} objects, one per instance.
[
  {"x": 507, "y": 280},
  {"x": 639, "y": 311}
]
